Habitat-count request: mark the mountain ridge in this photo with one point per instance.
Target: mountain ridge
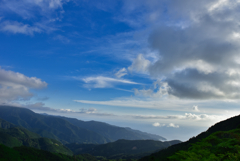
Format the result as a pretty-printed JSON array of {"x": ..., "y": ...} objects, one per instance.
[{"x": 68, "y": 130}]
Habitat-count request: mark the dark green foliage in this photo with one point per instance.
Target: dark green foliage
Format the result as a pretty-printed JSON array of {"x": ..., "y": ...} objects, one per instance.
[
  {"x": 80, "y": 148},
  {"x": 218, "y": 146},
  {"x": 5, "y": 124},
  {"x": 226, "y": 125},
  {"x": 31, "y": 154},
  {"x": 122, "y": 149},
  {"x": 18, "y": 136}
]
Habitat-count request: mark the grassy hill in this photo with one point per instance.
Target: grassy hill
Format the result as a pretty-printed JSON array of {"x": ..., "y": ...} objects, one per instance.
[
  {"x": 226, "y": 125},
  {"x": 122, "y": 149}
]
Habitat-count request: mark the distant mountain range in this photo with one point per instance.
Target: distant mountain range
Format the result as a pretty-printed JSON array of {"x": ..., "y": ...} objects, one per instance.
[
  {"x": 68, "y": 130},
  {"x": 22, "y": 127},
  {"x": 57, "y": 134},
  {"x": 14, "y": 136}
]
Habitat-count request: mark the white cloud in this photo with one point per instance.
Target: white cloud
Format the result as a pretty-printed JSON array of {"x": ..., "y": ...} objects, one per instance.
[
  {"x": 14, "y": 85},
  {"x": 40, "y": 107},
  {"x": 16, "y": 27},
  {"x": 161, "y": 88},
  {"x": 29, "y": 8},
  {"x": 44, "y": 13},
  {"x": 187, "y": 116},
  {"x": 195, "y": 108},
  {"x": 198, "y": 48},
  {"x": 156, "y": 124},
  {"x": 121, "y": 73},
  {"x": 103, "y": 82},
  {"x": 140, "y": 64},
  {"x": 173, "y": 125}
]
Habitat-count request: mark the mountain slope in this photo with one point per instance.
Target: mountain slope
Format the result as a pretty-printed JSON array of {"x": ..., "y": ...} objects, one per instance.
[
  {"x": 226, "y": 125},
  {"x": 5, "y": 124},
  {"x": 222, "y": 145},
  {"x": 17, "y": 136},
  {"x": 68, "y": 130},
  {"x": 113, "y": 132},
  {"x": 50, "y": 126},
  {"x": 122, "y": 149},
  {"x": 30, "y": 154}
]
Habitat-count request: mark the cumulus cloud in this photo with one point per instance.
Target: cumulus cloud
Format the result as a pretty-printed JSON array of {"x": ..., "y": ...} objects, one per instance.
[
  {"x": 173, "y": 125},
  {"x": 140, "y": 64},
  {"x": 15, "y": 86},
  {"x": 103, "y": 82},
  {"x": 156, "y": 124},
  {"x": 162, "y": 89},
  {"x": 198, "y": 49}
]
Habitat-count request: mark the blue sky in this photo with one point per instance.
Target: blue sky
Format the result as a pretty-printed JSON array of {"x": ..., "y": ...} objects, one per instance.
[{"x": 165, "y": 67}]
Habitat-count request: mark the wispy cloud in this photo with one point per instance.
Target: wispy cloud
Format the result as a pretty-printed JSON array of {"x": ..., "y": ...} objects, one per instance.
[
  {"x": 40, "y": 107},
  {"x": 122, "y": 72},
  {"x": 187, "y": 116},
  {"x": 103, "y": 82},
  {"x": 16, "y": 28},
  {"x": 166, "y": 104},
  {"x": 43, "y": 13}
]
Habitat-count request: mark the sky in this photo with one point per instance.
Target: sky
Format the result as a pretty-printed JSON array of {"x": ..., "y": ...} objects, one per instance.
[{"x": 169, "y": 67}]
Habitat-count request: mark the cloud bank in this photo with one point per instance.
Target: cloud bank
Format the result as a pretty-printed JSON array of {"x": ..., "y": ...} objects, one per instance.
[{"x": 199, "y": 50}]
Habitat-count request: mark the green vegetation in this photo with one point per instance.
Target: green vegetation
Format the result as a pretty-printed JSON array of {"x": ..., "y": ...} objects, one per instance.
[
  {"x": 30, "y": 154},
  {"x": 49, "y": 126},
  {"x": 5, "y": 124},
  {"x": 220, "y": 146},
  {"x": 122, "y": 149},
  {"x": 226, "y": 125},
  {"x": 17, "y": 136}
]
